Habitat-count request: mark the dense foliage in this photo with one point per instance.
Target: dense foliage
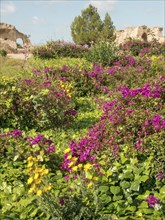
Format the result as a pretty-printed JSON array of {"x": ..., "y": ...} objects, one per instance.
[
  {"x": 135, "y": 48},
  {"x": 104, "y": 53},
  {"x": 84, "y": 141},
  {"x": 57, "y": 49},
  {"x": 85, "y": 27}
]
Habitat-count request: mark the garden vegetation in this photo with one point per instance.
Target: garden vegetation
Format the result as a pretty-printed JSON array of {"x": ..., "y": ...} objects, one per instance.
[{"x": 83, "y": 133}]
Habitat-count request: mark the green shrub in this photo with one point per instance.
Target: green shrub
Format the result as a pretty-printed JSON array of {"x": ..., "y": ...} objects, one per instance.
[
  {"x": 104, "y": 53},
  {"x": 3, "y": 53}
]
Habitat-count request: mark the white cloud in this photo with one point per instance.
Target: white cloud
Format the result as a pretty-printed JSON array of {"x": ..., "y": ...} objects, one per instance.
[
  {"x": 104, "y": 6},
  {"x": 37, "y": 20},
  {"x": 7, "y": 8}
]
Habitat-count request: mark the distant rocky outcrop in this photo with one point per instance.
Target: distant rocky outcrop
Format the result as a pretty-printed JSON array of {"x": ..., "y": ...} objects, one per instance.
[
  {"x": 8, "y": 37},
  {"x": 142, "y": 33}
]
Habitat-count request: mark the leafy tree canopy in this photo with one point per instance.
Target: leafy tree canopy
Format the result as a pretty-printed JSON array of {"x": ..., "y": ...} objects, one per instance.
[{"x": 88, "y": 28}]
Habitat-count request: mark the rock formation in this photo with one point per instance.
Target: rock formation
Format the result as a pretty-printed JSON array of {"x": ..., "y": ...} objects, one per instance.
[
  {"x": 8, "y": 37},
  {"x": 142, "y": 33}
]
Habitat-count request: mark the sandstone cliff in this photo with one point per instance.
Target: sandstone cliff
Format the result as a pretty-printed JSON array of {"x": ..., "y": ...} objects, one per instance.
[{"x": 142, "y": 33}]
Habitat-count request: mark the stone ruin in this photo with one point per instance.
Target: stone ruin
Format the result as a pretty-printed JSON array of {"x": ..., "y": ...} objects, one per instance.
[
  {"x": 8, "y": 38},
  {"x": 142, "y": 33}
]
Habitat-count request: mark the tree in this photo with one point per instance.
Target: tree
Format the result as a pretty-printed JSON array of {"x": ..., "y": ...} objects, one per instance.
[
  {"x": 86, "y": 28},
  {"x": 107, "y": 33}
]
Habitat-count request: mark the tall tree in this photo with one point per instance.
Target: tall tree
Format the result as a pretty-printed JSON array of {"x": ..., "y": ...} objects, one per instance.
[
  {"x": 107, "y": 33},
  {"x": 86, "y": 28}
]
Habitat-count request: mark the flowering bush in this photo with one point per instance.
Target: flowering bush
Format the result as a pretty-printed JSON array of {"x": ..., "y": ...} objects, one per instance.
[
  {"x": 56, "y": 49},
  {"x": 37, "y": 102},
  {"x": 142, "y": 48}
]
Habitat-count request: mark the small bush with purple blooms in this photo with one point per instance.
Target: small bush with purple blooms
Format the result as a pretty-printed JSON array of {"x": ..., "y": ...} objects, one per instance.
[
  {"x": 36, "y": 102},
  {"x": 57, "y": 49},
  {"x": 142, "y": 48}
]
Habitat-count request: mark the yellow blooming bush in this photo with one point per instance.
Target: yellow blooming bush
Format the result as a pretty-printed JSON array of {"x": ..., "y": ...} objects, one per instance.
[{"x": 37, "y": 174}]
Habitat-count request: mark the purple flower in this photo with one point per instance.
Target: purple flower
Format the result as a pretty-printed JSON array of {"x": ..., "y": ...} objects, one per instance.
[
  {"x": 92, "y": 74},
  {"x": 131, "y": 60},
  {"x": 17, "y": 133},
  {"x": 46, "y": 70},
  {"x": 152, "y": 200},
  {"x": 71, "y": 112},
  {"x": 51, "y": 148},
  {"x": 47, "y": 83},
  {"x": 36, "y": 140},
  {"x": 112, "y": 70},
  {"x": 160, "y": 175},
  {"x": 66, "y": 177},
  {"x": 63, "y": 79},
  {"x": 158, "y": 122}
]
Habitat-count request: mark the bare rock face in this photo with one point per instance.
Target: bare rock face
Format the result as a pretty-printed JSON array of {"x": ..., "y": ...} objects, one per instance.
[
  {"x": 142, "y": 33},
  {"x": 8, "y": 37}
]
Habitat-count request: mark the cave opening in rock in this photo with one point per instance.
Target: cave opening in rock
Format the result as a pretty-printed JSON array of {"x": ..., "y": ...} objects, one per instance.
[{"x": 19, "y": 43}]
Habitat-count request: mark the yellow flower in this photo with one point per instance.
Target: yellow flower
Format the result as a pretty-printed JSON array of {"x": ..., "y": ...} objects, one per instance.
[
  {"x": 79, "y": 165},
  {"x": 74, "y": 159},
  {"x": 32, "y": 189},
  {"x": 47, "y": 188},
  {"x": 89, "y": 177},
  {"x": 36, "y": 176},
  {"x": 75, "y": 168},
  {"x": 70, "y": 164},
  {"x": 45, "y": 171},
  {"x": 30, "y": 180},
  {"x": 37, "y": 181},
  {"x": 29, "y": 158},
  {"x": 69, "y": 157},
  {"x": 67, "y": 151},
  {"x": 39, "y": 170},
  {"x": 30, "y": 169},
  {"x": 90, "y": 184},
  {"x": 95, "y": 178},
  {"x": 30, "y": 164},
  {"x": 39, "y": 192},
  {"x": 87, "y": 167}
]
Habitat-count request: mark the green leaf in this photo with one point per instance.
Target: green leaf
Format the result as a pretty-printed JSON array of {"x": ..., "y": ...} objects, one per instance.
[
  {"x": 135, "y": 186},
  {"x": 144, "y": 178},
  {"x": 126, "y": 175},
  {"x": 162, "y": 190},
  {"x": 106, "y": 198},
  {"x": 144, "y": 204},
  {"x": 131, "y": 208},
  {"x": 125, "y": 184},
  {"x": 103, "y": 188},
  {"x": 123, "y": 158},
  {"x": 115, "y": 189},
  {"x": 109, "y": 173},
  {"x": 117, "y": 198},
  {"x": 34, "y": 212}
]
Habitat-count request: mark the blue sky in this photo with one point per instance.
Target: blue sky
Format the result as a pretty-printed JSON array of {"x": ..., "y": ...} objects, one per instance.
[{"x": 51, "y": 20}]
